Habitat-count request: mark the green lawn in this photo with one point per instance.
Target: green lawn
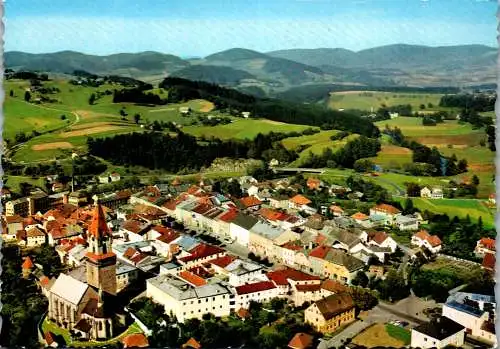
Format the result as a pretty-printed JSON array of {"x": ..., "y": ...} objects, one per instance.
[
  {"x": 457, "y": 207},
  {"x": 243, "y": 129},
  {"x": 26, "y": 117},
  {"x": 412, "y": 127},
  {"x": 398, "y": 333},
  {"x": 365, "y": 100}
]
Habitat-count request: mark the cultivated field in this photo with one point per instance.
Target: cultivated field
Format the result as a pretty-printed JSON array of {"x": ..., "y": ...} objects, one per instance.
[{"x": 366, "y": 100}]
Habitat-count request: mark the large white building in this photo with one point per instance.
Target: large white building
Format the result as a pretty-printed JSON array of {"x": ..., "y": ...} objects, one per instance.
[
  {"x": 186, "y": 301},
  {"x": 438, "y": 333}
]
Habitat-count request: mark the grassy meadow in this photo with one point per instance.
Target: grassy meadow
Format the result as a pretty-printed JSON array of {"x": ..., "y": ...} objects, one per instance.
[
  {"x": 243, "y": 129},
  {"x": 366, "y": 100}
]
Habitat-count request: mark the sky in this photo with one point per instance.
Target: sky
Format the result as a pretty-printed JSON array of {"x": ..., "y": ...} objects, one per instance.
[{"x": 198, "y": 28}]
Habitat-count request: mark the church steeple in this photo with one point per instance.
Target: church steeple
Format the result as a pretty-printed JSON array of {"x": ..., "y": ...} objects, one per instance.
[{"x": 101, "y": 261}]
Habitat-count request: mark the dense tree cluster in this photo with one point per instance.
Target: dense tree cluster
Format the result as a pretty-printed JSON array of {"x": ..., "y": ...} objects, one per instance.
[
  {"x": 491, "y": 133},
  {"x": 22, "y": 302},
  {"x": 478, "y": 101},
  {"x": 361, "y": 147},
  {"x": 137, "y": 95},
  {"x": 182, "y": 152}
]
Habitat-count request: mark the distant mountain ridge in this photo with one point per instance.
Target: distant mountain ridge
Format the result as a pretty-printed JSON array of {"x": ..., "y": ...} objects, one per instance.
[{"x": 277, "y": 71}]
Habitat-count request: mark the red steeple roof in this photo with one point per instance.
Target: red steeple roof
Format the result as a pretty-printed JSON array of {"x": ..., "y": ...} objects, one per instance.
[
  {"x": 27, "y": 264},
  {"x": 98, "y": 226}
]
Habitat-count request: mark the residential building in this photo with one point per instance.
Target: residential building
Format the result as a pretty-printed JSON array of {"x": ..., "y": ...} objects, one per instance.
[
  {"x": 239, "y": 228},
  {"x": 389, "y": 213},
  {"x": 438, "y": 333},
  {"x": 336, "y": 264},
  {"x": 424, "y": 239},
  {"x": 336, "y": 211},
  {"x": 485, "y": 245},
  {"x": 330, "y": 313},
  {"x": 407, "y": 222},
  {"x": 314, "y": 183},
  {"x": 301, "y": 203},
  {"x": 261, "y": 291},
  {"x": 301, "y": 341},
  {"x": 19, "y": 207},
  {"x": 32, "y": 237},
  {"x": 380, "y": 239},
  {"x": 279, "y": 201},
  {"x": 362, "y": 219}
]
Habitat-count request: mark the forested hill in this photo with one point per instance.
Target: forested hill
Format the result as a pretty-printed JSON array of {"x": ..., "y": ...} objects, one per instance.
[{"x": 180, "y": 90}]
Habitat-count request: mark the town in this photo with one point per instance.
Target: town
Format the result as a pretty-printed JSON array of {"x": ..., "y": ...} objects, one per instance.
[{"x": 185, "y": 263}]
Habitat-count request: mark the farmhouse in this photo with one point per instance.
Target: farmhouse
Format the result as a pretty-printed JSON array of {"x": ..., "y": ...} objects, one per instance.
[
  {"x": 388, "y": 212},
  {"x": 434, "y": 193}
]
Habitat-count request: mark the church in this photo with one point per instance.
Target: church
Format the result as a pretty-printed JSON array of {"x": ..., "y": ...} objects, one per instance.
[{"x": 86, "y": 307}]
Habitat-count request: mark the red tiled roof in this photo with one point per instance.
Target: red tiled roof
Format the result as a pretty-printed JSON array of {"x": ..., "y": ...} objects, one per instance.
[
  {"x": 379, "y": 237},
  {"x": 192, "y": 343},
  {"x": 422, "y": 235},
  {"x": 250, "y": 201},
  {"x": 167, "y": 236},
  {"x": 223, "y": 261},
  {"x": 281, "y": 277},
  {"x": 313, "y": 182},
  {"x": 488, "y": 243},
  {"x": 386, "y": 209},
  {"x": 320, "y": 251},
  {"x": 229, "y": 215},
  {"x": 193, "y": 279},
  {"x": 98, "y": 226},
  {"x": 27, "y": 264},
  {"x": 308, "y": 288},
  {"x": 359, "y": 216},
  {"x": 301, "y": 341},
  {"x": 292, "y": 246},
  {"x": 335, "y": 208},
  {"x": 243, "y": 313},
  {"x": 136, "y": 340},
  {"x": 255, "y": 287},
  {"x": 44, "y": 281},
  {"x": 489, "y": 261},
  {"x": 202, "y": 251},
  {"x": 193, "y": 189},
  {"x": 334, "y": 286},
  {"x": 434, "y": 240},
  {"x": 300, "y": 200},
  {"x": 129, "y": 252},
  {"x": 135, "y": 226},
  {"x": 34, "y": 232},
  {"x": 270, "y": 214}
]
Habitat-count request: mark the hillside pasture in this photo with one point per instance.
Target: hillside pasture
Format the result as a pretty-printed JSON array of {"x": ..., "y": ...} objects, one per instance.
[
  {"x": 243, "y": 129},
  {"x": 366, "y": 100},
  {"x": 315, "y": 143},
  {"x": 26, "y": 117},
  {"x": 391, "y": 156}
]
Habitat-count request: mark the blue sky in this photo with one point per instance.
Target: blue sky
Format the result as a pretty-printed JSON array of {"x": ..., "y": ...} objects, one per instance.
[{"x": 202, "y": 27}]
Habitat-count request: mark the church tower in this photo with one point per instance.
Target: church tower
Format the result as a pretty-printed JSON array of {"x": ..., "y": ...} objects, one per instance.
[{"x": 101, "y": 261}]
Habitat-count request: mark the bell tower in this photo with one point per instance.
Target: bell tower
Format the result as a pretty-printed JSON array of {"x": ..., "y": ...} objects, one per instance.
[{"x": 101, "y": 261}]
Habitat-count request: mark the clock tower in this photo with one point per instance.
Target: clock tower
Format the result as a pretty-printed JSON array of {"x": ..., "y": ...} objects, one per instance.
[{"x": 101, "y": 261}]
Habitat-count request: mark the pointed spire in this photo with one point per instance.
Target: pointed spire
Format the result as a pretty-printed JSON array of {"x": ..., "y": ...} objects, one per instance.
[
  {"x": 28, "y": 264},
  {"x": 98, "y": 226}
]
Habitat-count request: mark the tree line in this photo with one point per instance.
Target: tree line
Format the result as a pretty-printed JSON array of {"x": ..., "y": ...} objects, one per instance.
[{"x": 479, "y": 101}]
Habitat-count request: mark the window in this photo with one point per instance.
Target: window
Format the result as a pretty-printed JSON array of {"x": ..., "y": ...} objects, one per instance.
[
  {"x": 213, "y": 298},
  {"x": 199, "y": 301}
]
